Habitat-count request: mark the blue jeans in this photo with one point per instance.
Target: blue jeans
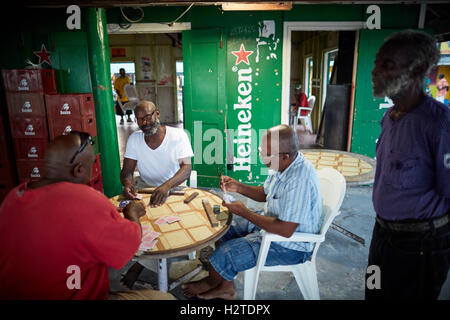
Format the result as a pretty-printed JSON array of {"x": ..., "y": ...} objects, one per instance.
[{"x": 240, "y": 248}]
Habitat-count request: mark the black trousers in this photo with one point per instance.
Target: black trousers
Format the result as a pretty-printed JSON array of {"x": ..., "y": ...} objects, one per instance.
[
  {"x": 413, "y": 265},
  {"x": 119, "y": 110}
]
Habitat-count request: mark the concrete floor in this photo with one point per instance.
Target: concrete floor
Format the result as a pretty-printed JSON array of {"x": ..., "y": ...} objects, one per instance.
[{"x": 341, "y": 261}]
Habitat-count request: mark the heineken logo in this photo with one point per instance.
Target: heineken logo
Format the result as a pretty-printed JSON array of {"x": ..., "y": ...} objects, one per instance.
[
  {"x": 242, "y": 55},
  {"x": 243, "y": 107}
]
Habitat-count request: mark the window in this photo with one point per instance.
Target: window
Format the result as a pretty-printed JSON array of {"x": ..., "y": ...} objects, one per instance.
[
  {"x": 329, "y": 58},
  {"x": 308, "y": 75}
]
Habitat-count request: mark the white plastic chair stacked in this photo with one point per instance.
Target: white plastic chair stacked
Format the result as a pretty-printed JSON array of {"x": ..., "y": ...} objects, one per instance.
[
  {"x": 133, "y": 100},
  {"x": 307, "y": 117},
  {"x": 332, "y": 185}
]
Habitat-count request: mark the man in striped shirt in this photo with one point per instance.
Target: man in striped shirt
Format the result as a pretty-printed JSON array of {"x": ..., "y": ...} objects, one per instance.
[{"x": 293, "y": 203}]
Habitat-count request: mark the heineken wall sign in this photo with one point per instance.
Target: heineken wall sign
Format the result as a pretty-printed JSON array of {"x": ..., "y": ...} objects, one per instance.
[{"x": 254, "y": 95}]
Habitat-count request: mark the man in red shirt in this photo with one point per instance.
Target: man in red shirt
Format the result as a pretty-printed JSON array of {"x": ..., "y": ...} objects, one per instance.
[{"x": 58, "y": 236}]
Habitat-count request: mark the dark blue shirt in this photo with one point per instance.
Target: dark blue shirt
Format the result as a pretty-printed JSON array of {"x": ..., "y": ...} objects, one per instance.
[{"x": 412, "y": 179}]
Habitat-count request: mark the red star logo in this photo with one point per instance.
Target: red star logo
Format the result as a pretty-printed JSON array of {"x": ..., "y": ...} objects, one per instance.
[
  {"x": 44, "y": 55},
  {"x": 242, "y": 55}
]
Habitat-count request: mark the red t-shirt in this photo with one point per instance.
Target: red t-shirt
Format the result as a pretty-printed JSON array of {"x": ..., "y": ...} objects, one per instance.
[{"x": 44, "y": 231}]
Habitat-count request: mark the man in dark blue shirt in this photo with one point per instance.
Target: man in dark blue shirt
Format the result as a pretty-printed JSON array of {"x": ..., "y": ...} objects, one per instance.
[{"x": 411, "y": 194}]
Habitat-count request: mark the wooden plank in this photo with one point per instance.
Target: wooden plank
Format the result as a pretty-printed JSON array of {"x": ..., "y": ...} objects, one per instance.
[
  {"x": 191, "y": 197},
  {"x": 210, "y": 213}
]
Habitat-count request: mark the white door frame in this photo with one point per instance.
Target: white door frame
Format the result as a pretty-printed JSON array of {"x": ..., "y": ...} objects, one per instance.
[
  {"x": 290, "y": 26},
  {"x": 325, "y": 60}
]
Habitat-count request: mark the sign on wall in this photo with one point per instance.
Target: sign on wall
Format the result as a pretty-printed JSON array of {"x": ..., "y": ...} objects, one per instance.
[{"x": 254, "y": 95}]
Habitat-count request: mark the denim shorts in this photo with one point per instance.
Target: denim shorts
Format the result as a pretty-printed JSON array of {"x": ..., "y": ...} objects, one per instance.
[{"x": 240, "y": 248}]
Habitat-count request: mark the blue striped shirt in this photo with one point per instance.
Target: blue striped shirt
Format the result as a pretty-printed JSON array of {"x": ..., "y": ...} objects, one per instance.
[{"x": 294, "y": 196}]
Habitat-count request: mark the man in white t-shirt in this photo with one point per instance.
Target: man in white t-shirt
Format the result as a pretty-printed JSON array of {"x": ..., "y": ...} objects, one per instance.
[{"x": 162, "y": 155}]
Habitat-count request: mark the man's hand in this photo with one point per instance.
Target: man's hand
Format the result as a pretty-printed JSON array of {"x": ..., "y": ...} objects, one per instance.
[
  {"x": 159, "y": 196},
  {"x": 134, "y": 210},
  {"x": 229, "y": 184},
  {"x": 235, "y": 207},
  {"x": 129, "y": 192}
]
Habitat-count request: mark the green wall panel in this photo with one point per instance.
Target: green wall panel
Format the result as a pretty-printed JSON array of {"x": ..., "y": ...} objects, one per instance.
[
  {"x": 204, "y": 53},
  {"x": 71, "y": 62},
  {"x": 367, "y": 114}
]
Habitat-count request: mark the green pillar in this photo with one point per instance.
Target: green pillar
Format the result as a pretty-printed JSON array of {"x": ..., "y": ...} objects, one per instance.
[{"x": 99, "y": 65}]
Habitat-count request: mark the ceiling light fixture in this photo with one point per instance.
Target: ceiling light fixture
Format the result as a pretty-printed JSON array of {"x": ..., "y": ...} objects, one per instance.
[{"x": 256, "y": 6}]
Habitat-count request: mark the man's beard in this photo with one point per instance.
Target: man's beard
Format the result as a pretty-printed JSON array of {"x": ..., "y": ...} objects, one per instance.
[
  {"x": 151, "y": 129},
  {"x": 391, "y": 87}
]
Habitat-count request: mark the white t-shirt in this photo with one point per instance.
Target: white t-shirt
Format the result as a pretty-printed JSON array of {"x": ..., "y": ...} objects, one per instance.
[{"x": 159, "y": 165}]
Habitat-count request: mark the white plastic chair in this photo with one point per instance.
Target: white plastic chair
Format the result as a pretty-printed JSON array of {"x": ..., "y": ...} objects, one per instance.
[
  {"x": 332, "y": 185},
  {"x": 133, "y": 100},
  {"x": 307, "y": 116}
]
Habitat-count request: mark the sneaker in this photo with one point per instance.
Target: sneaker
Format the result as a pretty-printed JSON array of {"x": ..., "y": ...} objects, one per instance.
[{"x": 121, "y": 121}]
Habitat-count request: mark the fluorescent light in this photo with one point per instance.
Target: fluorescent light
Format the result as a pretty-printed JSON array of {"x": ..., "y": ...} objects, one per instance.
[{"x": 258, "y": 6}]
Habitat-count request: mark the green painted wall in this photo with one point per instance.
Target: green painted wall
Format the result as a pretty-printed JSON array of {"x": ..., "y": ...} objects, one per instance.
[
  {"x": 368, "y": 112},
  {"x": 265, "y": 84},
  {"x": 70, "y": 57},
  {"x": 68, "y": 49}
]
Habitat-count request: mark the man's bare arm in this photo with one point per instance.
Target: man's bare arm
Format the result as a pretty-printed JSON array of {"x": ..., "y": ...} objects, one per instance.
[
  {"x": 161, "y": 193},
  {"x": 126, "y": 177}
]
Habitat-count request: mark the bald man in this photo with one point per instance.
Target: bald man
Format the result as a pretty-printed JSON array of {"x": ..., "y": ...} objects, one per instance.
[
  {"x": 293, "y": 204},
  {"x": 58, "y": 236}
]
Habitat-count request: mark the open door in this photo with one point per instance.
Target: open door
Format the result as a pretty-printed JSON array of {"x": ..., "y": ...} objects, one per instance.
[
  {"x": 368, "y": 111},
  {"x": 204, "y": 55}
]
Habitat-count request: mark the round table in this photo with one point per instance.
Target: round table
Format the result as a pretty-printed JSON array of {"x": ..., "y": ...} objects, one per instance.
[
  {"x": 193, "y": 231},
  {"x": 357, "y": 169}
]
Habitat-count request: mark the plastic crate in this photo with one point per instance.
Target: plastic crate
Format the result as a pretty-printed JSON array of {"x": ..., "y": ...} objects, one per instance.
[
  {"x": 58, "y": 127},
  {"x": 25, "y": 104},
  {"x": 31, "y": 170},
  {"x": 30, "y": 80},
  {"x": 29, "y": 127},
  {"x": 30, "y": 149},
  {"x": 97, "y": 167},
  {"x": 70, "y": 105},
  {"x": 97, "y": 183}
]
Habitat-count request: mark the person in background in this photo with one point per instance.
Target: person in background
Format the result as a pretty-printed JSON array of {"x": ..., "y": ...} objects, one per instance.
[
  {"x": 411, "y": 193},
  {"x": 119, "y": 85},
  {"x": 442, "y": 87},
  {"x": 301, "y": 100}
]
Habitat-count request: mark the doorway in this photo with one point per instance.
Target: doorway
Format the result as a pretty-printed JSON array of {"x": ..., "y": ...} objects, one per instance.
[
  {"x": 310, "y": 55},
  {"x": 157, "y": 73}
]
